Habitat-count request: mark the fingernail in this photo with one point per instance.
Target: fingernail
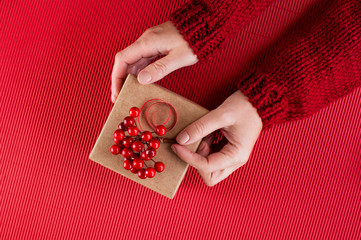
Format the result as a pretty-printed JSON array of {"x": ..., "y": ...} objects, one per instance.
[
  {"x": 144, "y": 77},
  {"x": 182, "y": 138}
]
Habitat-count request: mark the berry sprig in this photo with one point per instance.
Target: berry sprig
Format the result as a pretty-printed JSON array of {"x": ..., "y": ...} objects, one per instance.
[{"x": 138, "y": 147}]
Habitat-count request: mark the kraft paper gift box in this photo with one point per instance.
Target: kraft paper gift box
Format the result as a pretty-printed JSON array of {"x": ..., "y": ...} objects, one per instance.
[{"x": 135, "y": 94}]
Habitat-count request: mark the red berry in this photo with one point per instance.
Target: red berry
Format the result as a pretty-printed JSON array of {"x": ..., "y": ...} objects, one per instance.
[
  {"x": 160, "y": 130},
  {"x": 137, "y": 146},
  {"x": 133, "y": 170},
  {"x": 150, "y": 172},
  {"x": 121, "y": 126},
  {"x": 134, "y": 112},
  {"x": 141, "y": 174},
  {"x": 138, "y": 163},
  {"x": 127, "y": 164},
  {"x": 146, "y": 136},
  {"x": 154, "y": 143},
  {"x": 144, "y": 156},
  {"x": 115, "y": 149},
  {"x": 133, "y": 131},
  {"x": 127, "y": 152},
  {"x": 117, "y": 141},
  {"x": 119, "y": 134},
  {"x": 128, "y": 121},
  {"x": 159, "y": 166},
  {"x": 150, "y": 152},
  {"x": 127, "y": 142},
  {"x": 135, "y": 156}
]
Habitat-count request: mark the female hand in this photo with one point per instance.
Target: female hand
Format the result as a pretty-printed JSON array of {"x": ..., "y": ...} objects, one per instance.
[
  {"x": 240, "y": 124},
  {"x": 162, "y": 40}
]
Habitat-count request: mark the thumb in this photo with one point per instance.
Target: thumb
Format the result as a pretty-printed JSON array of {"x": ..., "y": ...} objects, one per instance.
[
  {"x": 159, "y": 69},
  {"x": 202, "y": 127},
  {"x": 176, "y": 59}
]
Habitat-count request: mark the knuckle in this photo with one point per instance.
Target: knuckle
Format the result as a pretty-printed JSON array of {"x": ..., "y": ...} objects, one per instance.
[
  {"x": 146, "y": 33},
  {"x": 144, "y": 43},
  {"x": 153, "y": 30},
  {"x": 160, "y": 68},
  {"x": 235, "y": 159},
  {"x": 241, "y": 159},
  {"x": 211, "y": 183},
  {"x": 149, "y": 30},
  {"x": 208, "y": 179},
  {"x": 233, "y": 156},
  {"x": 118, "y": 56},
  {"x": 148, "y": 37},
  {"x": 225, "y": 115},
  {"x": 207, "y": 169},
  {"x": 244, "y": 152},
  {"x": 197, "y": 129}
]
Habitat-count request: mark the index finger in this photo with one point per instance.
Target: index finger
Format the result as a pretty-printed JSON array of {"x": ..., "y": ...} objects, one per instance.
[
  {"x": 126, "y": 57},
  {"x": 227, "y": 157}
]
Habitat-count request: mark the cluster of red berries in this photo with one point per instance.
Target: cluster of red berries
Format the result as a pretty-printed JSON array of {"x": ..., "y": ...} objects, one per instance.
[{"x": 138, "y": 146}]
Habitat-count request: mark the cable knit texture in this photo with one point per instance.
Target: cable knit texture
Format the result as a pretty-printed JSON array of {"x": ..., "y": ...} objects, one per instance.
[
  {"x": 315, "y": 64},
  {"x": 207, "y": 25}
]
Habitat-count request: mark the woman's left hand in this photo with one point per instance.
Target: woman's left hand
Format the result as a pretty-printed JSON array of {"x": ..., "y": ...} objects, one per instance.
[{"x": 240, "y": 124}]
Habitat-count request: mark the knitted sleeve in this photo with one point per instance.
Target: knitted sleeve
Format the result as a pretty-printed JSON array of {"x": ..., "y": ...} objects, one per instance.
[
  {"x": 317, "y": 63},
  {"x": 207, "y": 24}
]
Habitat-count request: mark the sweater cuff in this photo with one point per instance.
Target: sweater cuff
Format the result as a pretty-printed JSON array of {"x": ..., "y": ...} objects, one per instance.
[
  {"x": 207, "y": 25},
  {"x": 191, "y": 20},
  {"x": 267, "y": 97}
]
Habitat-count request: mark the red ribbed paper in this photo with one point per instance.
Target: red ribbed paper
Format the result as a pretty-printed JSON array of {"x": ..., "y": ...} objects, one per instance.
[{"x": 302, "y": 181}]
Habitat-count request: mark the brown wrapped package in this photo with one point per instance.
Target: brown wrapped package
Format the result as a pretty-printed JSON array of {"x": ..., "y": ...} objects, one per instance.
[{"x": 135, "y": 94}]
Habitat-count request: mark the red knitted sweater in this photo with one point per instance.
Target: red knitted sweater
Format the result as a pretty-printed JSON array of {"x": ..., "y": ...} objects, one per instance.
[{"x": 319, "y": 62}]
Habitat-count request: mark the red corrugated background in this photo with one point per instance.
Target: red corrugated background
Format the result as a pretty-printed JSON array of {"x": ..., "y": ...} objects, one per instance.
[{"x": 302, "y": 181}]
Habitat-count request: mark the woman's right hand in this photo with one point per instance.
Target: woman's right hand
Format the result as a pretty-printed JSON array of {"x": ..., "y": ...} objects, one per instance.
[{"x": 161, "y": 40}]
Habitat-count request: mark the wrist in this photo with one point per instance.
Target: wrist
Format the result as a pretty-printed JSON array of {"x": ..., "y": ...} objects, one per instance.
[
  {"x": 190, "y": 20},
  {"x": 265, "y": 96},
  {"x": 238, "y": 109}
]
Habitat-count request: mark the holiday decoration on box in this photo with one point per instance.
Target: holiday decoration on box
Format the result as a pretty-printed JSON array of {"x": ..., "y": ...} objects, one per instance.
[{"x": 136, "y": 138}]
